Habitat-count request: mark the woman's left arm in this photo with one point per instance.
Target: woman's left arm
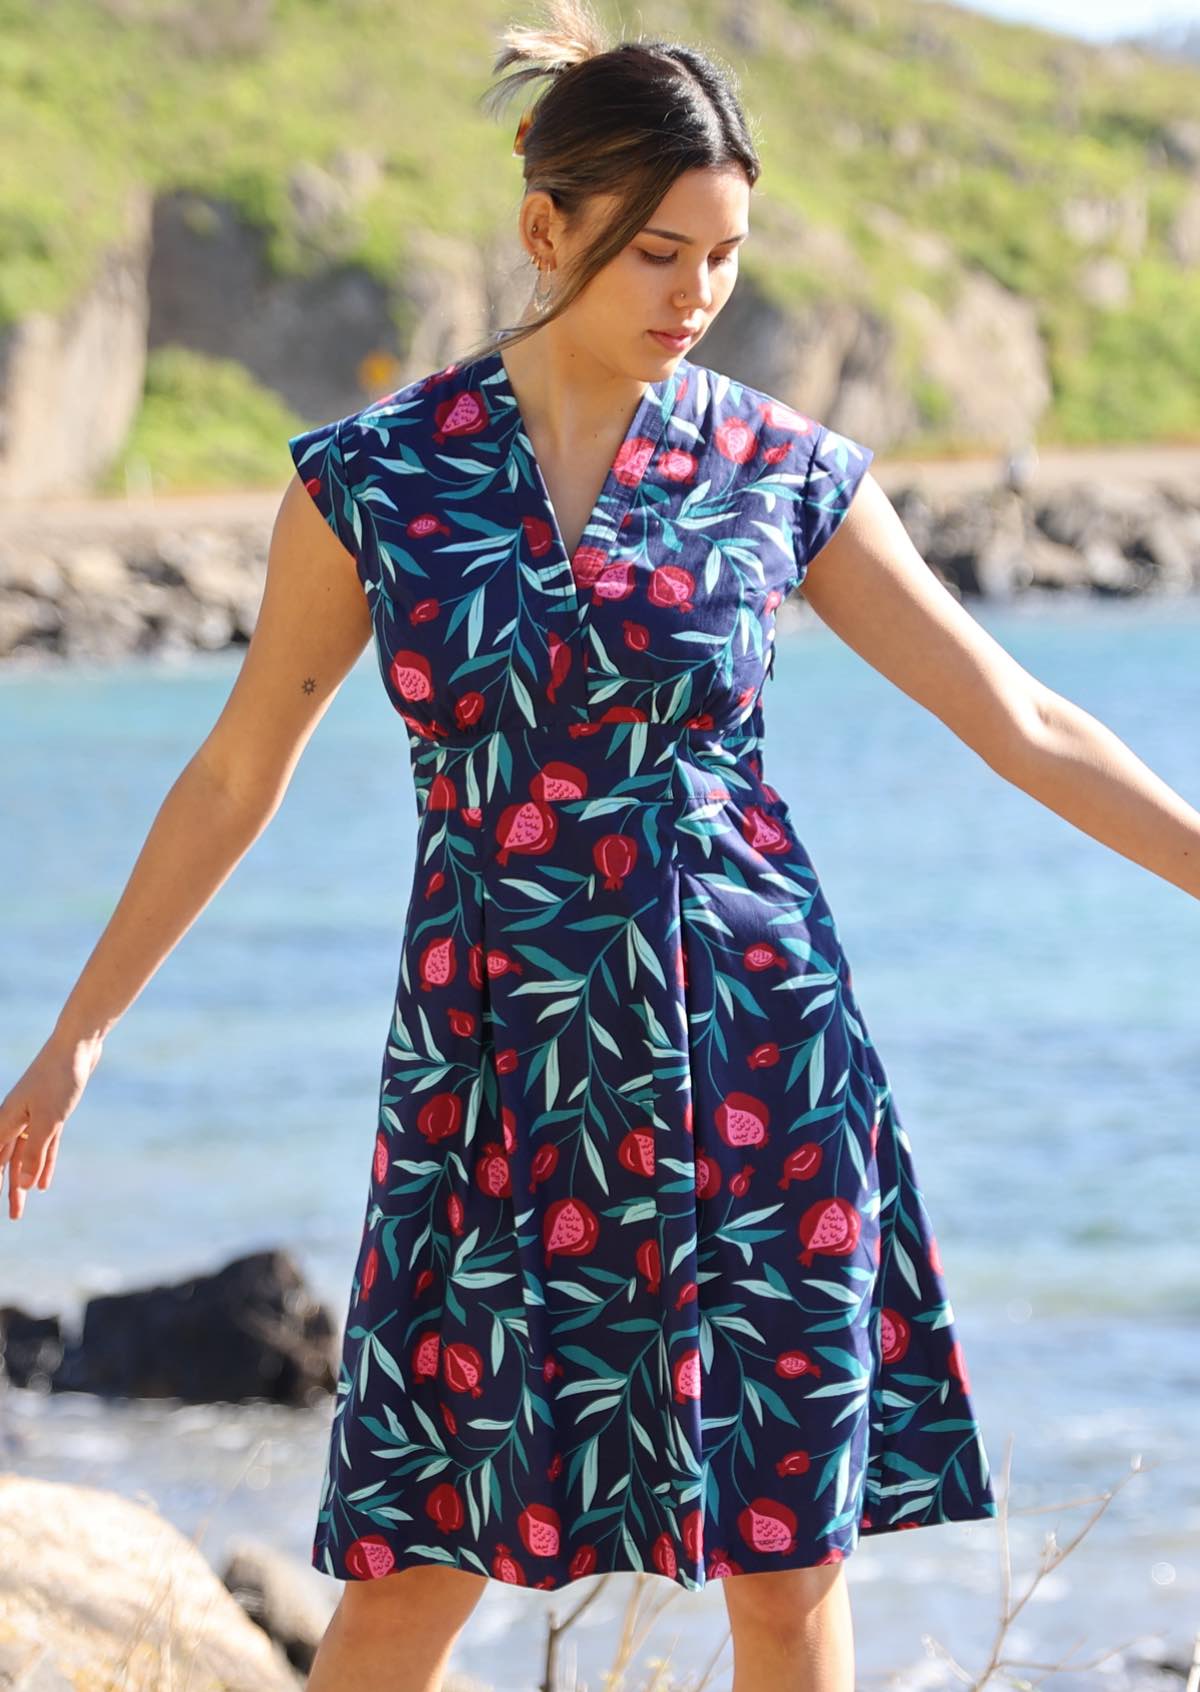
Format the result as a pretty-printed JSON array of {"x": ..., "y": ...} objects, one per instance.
[{"x": 873, "y": 588}]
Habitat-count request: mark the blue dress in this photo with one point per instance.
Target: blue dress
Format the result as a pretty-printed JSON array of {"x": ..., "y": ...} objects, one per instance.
[{"x": 646, "y": 1281}]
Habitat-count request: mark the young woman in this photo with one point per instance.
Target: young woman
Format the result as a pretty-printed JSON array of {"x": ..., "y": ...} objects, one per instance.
[{"x": 645, "y": 1278}]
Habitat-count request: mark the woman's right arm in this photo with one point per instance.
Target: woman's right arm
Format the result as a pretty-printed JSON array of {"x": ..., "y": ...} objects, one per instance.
[{"x": 312, "y": 625}]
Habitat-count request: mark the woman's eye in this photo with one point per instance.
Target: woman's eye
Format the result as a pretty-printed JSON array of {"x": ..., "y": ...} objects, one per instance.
[{"x": 658, "y": 258}]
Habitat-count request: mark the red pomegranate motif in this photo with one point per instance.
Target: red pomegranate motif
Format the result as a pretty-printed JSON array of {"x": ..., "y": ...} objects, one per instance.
[
  {"x": 425, "y": 1357},
  {"x": 540, "y": 1530},
  {"x": 615, "y": 581},
  {"x": 557, "y": 781},
  {"x": 370, "y": 1270},
  {"x": 934, "y": 1255},
  {"x": 444, "y": 1508},
  {"x": 635, "y": 1151},
  {"x": 735, "y": 439},
  {"x": 423, "y": 525},
  {"x": 688, "y": 1293},
  {"x": 464, "y": 413},
  {"x": 793, "y": 1463},
  {"x": 442, "y": 794},
  {"x": 539, "y": 536},
  {"x": 802, "y": 1164},
  {"x": 499, "y": 963},
  {"x": 722, "y": 1564},
  {"x": 629, "y": 466},
  {"x": 440, "y": 1117},
  {"x": 759, "y": 955},
  {"x": 764, "y": 1056},
  {"x": 708, "y": 1176},
  {"x": 702, "y": 720},
  {"x": 649, "y": 1262},
  {"x": 468, "y": 708},
  {"x": 508, "y": 1129},
  {"x": 583, "y": 1562},
  {"x": 529, "y": 828},
  {"x": 739, "y": 1184},
  {"x": 569, "y": 1227},
  {"x": 462, "y": 1368},
  {"x": 381, "y": 1157},
  {"x": 662, "y": 1556},
  {"x": 742, "y": 1120},
  {"x": 691, "y": 1531},
  {"x": 545, "y": 1162},
  {"x": 672, "y": 587},
  {"x": 767, "y": 1525},
  {"x": 831, "y": 1226},
  {"x": 425, "y": 610},
  {"x": 614, "y": 855},
  {"x": 635, "y": 635},
  {"x": 777, "y": 414},
  {"x": 506, "y": 1059},
  {"x": 437, "y": 965},
  {"x": 492, "y": 1172},
  {"x": 560, "y": 664},
  {"x": 586, "y": 565},
  {"x": 505, "y": 1567},
  {"x": 686, "y": 1374},
  {"x": 454, "y": 1213},
  {"x": 675, "y": 465},
  {"x": 435, "y": 884},
  {"x": 790, "y": 1365},
  {"x": 957, "y": 1364},
  {"x": 894, "y": 1334},
  {"x": 449, "y": 1419},
  {"x": 410, "y": 675},
  {"x": 461, "y": 1023},
  {"x": 370, "y": 1558},
  {"x": 423, "y": 1280},
  {"x": 687, "y": 1117},
  {"x": 763, "y": 831},
  {"x": 475, "y": 965}
]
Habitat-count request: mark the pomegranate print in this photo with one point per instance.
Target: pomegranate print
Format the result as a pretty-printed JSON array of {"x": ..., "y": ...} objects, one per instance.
[{"x": 645, "y": 1280}]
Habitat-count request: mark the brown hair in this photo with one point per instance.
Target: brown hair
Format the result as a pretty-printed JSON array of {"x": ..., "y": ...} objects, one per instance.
[{"x": 623, "y": 118}]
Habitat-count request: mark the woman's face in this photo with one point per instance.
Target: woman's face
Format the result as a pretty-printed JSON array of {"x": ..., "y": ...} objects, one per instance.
[{"x": 675, "y": 274}]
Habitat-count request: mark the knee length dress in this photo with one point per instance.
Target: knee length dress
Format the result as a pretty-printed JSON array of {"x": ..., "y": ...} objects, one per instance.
[{"x": 646, "y": 1281}]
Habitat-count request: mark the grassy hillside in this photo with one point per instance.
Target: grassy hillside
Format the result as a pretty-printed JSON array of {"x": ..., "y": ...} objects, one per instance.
[{"x": 229, "y": 95}]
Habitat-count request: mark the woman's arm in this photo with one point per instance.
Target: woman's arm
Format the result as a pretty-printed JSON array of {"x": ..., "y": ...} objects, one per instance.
[
  {"x": 312, "y": 625},
  {"x": 873, "y": 588}
]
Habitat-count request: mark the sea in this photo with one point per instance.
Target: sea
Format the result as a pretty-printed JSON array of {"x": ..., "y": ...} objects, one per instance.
[{"x": 1033, "y": 994}]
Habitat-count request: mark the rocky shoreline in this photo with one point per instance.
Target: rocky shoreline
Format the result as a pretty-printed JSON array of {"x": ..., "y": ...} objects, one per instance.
[{"x": 111, "y": 580}]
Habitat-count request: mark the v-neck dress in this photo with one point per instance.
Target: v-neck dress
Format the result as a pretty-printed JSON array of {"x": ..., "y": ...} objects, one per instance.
[{"x": 646, "y": 1281}]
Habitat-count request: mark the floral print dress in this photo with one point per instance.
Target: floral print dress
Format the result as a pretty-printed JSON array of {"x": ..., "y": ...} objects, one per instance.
[{"x": 646, "y": 1281}]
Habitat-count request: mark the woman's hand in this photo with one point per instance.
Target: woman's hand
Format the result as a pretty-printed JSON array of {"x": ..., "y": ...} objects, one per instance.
[{"x": 32, "y": 1115}]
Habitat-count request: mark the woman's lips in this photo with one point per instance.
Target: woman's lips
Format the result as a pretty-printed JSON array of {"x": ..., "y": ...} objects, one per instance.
[{"x": 675, "y": 343}]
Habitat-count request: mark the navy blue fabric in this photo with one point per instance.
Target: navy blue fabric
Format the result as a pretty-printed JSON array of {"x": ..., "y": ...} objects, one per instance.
[{"x": 646, "y": 1280}]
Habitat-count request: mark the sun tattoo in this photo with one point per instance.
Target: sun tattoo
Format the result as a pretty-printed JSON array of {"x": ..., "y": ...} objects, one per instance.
[{"x": 308, "y": 684}]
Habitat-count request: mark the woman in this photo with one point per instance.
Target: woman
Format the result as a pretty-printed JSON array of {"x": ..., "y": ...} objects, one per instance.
[{"x": 645, "y": 1278}]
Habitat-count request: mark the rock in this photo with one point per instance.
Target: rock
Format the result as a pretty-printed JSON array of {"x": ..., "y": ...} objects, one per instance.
[
  {"x": 251, "y": 1331},
  {"x": 97, "y": 1591},
  {"x": 31, "y": 1347},
  {"x": 291, "y": 1603},
  {"x": 25, "y": 621},
  {"x": 99, "y": 570}
]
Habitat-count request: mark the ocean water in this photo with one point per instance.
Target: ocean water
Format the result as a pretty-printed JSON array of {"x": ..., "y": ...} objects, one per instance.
[{"x": 1034, "y": 996}]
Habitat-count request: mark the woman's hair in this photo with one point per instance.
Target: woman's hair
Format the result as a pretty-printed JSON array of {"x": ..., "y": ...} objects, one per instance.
[{"x": 623, "y": 118}]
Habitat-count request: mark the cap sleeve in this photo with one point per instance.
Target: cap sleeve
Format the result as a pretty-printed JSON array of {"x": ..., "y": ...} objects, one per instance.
[
  {"x": 319, "y": 455},
  {"x": 836, "y": 466}
]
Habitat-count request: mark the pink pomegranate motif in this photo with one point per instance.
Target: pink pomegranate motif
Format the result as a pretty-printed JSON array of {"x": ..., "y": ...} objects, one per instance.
[
  {"x": 894, "y": 1334},
  {"x": 776, "y": 414},
  {"x": 686, "y": 1372},
  {"x": 492, "y": 1173},
  {"x": 615, "y": 581},
  {"x": 802, "y": 1164},
  {"x": 539, "y": 536},
  {"x": 557, "y": 781},
  {"x": 635, "y": 635},
  {"x": 437, "y": 965},
  {"x": 505, "y": 1567},
  {"x": 454, "y": 1213},
  {"x": 462, "y": 1368},
  {"x": 629, "y": 466},
  {"x": 676, "y": 465},
  {"x": 763, "y": 831},
  {"x": 708, "y": 1176},
  {"x": 681, "y": 974},
  {"x": 614, "y": 855},
  {"x": 773, "y": 599},
  {"x": 635, "y": 1151},
  {"x": 934, "y": 1255},
  {"x": 790, "y": 1365},
  {"x": 672, "y": 587},
  {"x": 687, "y": 1117},
  {"x": 742, "y": 1120},
  {"x": 767, "y": 1525},
  {"x": 468, "y": 708},
  {"x": 586, "y": 565},
  {"x": 444, "y": 1508},
  {"x": 662, "y": 1556},
  {"x": 722, "y": 1564},
  {"x": 463, "y": 413},
  {"x": 764, "y": 1056},
  {"x": 381, "y": 1157},
  {"x": 793, "y": 1463},
  {"x": 410, "y": 676},
  {"x": 440, "y": 1117},
  {"x": 425, "y": 1357},
  {"x": 735, "y": 439},
  {"x": 500, "y": 963},
  {"x": 560, "y": 664},
  {"x": 370, "y": 1270},
  {"x": 370, "y": 1558},
  {"x": 649, "y": 1262},
  {"x": 739, "y": 1184},
  {"x": 691, "y": 1530},
  {"x": 530, "y": 828},
  {"x": 569, "y": 1227},
  {"x": 442, "y": 794},
  {"x": 583, "y": 1562},
  {"x": 759, "y": 955},
  {"x": 540, "y": 1530},
  {"x": 831, "y": 1226},
  {"x": 545, "y": 1162}
]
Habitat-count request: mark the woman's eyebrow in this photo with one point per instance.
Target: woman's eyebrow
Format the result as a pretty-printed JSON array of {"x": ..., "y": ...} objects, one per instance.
[{"x": 674, "y": 235}]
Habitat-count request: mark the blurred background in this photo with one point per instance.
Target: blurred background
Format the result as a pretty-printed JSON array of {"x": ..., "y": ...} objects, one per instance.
[{"x": 976, "y": 247}]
